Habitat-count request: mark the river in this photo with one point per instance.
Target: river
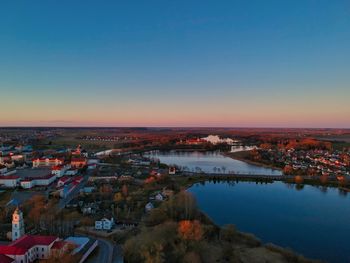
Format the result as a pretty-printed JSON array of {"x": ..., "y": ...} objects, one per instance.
[
  {"x": 210, "y": 162},
  {"x": 313, "y": 221}
]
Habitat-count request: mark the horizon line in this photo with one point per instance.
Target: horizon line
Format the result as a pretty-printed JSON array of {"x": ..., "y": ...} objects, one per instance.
[{"x": 177, "y": 127}]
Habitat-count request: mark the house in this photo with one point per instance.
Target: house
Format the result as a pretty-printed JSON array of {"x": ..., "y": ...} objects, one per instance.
[
  {"x": 62, "y": 181},
  {"x": 47, "y": 162},
  {"x": 9, "y": 181},
  {"x": 71, "y": 171},
  {"x": 78, "y": 179},
  {"x": 78, "y": 162},
  {"x": 196, "y": 141},
  {"x": 172, "y": 170},
  {"x": 3, "y": 169},
  {"x": 104, "y": 224},
  {"x": 149, "y": 206},
  {"x": 159, "y": 197},
  {"x": 28, "y": 248},
  {"x": 92, "y": 166}
]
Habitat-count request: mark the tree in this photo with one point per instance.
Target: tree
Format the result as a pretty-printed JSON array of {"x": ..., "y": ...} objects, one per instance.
[
  {"x": 118, "y": 197},
  {"x": 190, "y": 230},
  {"x": 228, "y": 233},
  {"x": 125, "y": 190},
  {"x": 288, "y": 170}
]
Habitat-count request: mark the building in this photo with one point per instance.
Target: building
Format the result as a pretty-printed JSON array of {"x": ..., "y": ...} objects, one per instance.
[
  {"x": 60, "y": 170},
  {"x": 172, "y": 170},
  {"x": 47, "y": 162},
  {"x": 9, "y": 181},
  {"x": 104, "y": 224},
  {"x": 78, "y": 162},
  {"x": 3, "y": 169},
  {"x": 30, "y": 182},
  {"x": 62, "y": 181},
  {"x": 159, "y": 197},
  {"x": 71, "y": 171},
  {"x": 149, "y": 206},
  {"x": 17, "y": 224},
  {"x": 28, "y": 248}
]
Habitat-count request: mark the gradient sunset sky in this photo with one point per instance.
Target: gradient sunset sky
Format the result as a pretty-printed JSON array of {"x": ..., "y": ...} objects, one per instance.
[{"x": 271, "y": 63}]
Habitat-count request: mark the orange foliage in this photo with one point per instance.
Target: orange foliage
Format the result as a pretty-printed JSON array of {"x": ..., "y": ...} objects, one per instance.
[
  {"x": 288, "y": 170},
  {"x": 190, "y": 230},
  {"x": 299, "y": 179},
  {"x": 149, "y": 180}
]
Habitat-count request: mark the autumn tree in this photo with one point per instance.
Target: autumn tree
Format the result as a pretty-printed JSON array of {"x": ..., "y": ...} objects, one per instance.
[
  {"x": 190, "y": 230},
  {"x": 125, "y": 190}
]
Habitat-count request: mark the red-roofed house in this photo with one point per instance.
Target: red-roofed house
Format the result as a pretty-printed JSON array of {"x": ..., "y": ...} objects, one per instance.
[
  {"x": 29, "y": 248},
  {"x": 62, "y": 181}
]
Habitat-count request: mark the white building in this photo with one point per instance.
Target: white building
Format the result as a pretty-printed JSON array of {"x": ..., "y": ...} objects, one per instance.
[
  {"x": 215, "y": 139},
  {"x": 60, "y": 170},
  {"x": 149, "y": 207},
  {"x": 28, "y": 249},
  {"x": 159, "y": 197},
  {"x": 104, "y": 224},
  {"x": 3, "y": 169},
  {"x": 38, "y": 181},
  {"x": 9, "y": 181},
  {"x": 71, "y": 171},
  {"x": 17, "y": 224}
]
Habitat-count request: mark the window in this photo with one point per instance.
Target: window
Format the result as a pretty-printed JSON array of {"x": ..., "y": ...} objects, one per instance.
[{"x": 42, "y": 249}]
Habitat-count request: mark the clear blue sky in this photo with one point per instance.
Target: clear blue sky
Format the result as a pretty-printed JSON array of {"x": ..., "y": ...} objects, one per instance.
[{"x": 175, "y": 63}]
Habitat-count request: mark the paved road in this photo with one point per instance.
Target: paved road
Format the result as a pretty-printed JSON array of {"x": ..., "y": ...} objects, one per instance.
[{"x": 107, "y": 253}]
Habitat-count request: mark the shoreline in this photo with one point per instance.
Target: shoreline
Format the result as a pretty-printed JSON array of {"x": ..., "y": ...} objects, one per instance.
[
  {"x": 238, "y": 156},
  {"x": 253, "y": 236}
]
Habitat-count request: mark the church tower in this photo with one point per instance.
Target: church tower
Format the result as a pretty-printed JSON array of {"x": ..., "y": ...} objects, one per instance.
[{"x": 17, "y": 224}]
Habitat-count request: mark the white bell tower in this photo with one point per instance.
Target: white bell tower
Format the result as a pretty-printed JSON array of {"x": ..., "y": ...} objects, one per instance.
[{"x": 17, "y": 224}]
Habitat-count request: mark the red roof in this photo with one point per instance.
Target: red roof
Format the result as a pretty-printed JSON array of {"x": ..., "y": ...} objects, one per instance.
[
  {"x": 78, "y": 160},
  {"x": 23, "y": 244},
  {"x": 50, "y": 159},
  {"x": 29, "y": 241},
  {"x": 9, "y": 177},
  {"x": 5, "y": 259},
  {"x": 57, "y": 167},
  {"x": 28, "y": 179},
  {"x": 59, "y": 244}
]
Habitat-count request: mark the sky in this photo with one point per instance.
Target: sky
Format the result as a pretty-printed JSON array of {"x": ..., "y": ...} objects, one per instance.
[{"x": 228, "y": 63}]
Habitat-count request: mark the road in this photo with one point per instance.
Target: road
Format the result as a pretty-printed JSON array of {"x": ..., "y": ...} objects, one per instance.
[{"x": 107, "y": 253}]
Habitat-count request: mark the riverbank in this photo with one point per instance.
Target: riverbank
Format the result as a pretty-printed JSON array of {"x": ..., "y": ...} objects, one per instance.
[
  {"x": 243, "y": 156},
  {"x": 177, "y": 231}
]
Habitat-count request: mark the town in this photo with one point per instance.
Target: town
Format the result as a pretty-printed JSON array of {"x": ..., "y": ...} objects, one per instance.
[{"x": 87, "y": 202}]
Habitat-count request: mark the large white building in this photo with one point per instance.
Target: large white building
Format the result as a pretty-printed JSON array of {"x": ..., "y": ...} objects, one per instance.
[{"x": 38, "y": 181}]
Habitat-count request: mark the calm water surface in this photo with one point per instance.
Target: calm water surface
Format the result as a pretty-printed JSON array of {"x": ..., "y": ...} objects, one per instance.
[
  {"x": 312, "y": 221},
  {"x": 210, "y": 162}
]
